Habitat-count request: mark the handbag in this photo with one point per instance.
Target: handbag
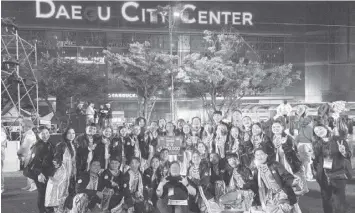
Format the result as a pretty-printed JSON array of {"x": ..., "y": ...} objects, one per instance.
[
  {"x": 28, "y": 172},
  {"x": 348, "y": 169}
]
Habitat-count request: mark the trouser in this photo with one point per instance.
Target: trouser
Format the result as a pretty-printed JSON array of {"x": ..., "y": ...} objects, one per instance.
[
  {"x": 163, "y": 206},
  {"x": 101, "y": 123},
  {"x": 306, "y": 152},
  {"x": 108, "y": 121},
  {"x": 30, "y": 182},
  {"x": 41, "y": 189},
  {"x": 333, "y": 195},
  {"x": 2, "y": 176}
]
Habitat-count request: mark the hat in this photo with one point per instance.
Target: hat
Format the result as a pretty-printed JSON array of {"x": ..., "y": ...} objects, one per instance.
[
  {"x": 115, "y": 158},
  {"x": 232, "y": 155},
  {"x": 261, "y": 147}
]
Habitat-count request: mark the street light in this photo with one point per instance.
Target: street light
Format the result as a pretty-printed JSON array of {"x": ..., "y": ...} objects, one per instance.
[{"x": 174, "y": 13}]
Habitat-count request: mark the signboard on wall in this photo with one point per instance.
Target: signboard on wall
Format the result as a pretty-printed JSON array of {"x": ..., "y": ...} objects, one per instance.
[
  {"x": 119, "y": 14},
  {"x": 122, "y": 96}
]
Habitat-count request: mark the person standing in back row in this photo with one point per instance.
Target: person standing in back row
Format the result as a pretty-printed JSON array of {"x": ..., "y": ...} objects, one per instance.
[
  {"x": 24, "y": 153},
  {"x": 3, "y": 147},
  {"x": 108, "y": 115}
]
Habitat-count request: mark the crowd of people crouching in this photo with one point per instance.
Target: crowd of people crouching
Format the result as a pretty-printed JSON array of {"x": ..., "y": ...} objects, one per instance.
[{"x": 240, "y": 165}]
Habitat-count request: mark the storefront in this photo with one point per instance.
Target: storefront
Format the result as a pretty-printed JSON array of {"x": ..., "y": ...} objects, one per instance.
[{"x": 280, "y": 32}]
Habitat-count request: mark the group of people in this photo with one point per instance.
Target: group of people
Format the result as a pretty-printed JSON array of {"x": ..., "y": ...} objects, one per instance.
[
  {"x": 101, "y": 116},
  {"x": 241, "y": 165}
]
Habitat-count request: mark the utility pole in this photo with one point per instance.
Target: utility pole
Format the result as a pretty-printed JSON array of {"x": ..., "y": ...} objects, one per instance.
[{"x": 171, "y": 27}]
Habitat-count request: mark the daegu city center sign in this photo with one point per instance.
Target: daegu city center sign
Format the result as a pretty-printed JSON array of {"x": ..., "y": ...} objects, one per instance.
[{"x": 133, "y": 12}]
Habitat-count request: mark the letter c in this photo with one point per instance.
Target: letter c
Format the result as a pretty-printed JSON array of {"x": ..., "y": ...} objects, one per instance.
[
  {"x": 124, "y": 8},
  {"x": 186, "y": 20}
]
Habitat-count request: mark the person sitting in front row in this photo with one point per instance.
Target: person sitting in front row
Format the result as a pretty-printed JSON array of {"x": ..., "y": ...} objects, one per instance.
[
  {"x": 86, "y": 188},
  {"x": 112, "y": 185},
  {"x": 174, "y": 191}
]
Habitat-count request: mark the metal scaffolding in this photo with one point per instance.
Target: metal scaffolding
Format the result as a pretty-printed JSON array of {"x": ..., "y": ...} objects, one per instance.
[{"x": 19, "y": 84}]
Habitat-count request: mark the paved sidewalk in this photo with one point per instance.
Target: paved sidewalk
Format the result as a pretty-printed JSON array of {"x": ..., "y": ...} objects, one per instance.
[{"x": 15, "y": 200}]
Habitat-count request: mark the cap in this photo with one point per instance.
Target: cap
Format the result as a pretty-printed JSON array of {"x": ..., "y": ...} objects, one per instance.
[{"x": 115, "y": 158}]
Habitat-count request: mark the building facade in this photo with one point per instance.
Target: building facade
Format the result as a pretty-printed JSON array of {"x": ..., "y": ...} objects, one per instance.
[{"x": 317, "y": 38}]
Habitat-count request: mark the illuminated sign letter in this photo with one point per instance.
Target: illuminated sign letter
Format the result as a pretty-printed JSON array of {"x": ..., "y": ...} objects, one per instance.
[
  {"x": 44, "y": 15},
  {"x": 153, "y": 15},
  {"x": 215, "y": 18},
  {"x": 108, "y": 13},
  {"x": 62, "y": 12},
  {"x": 247, "y": 18},
  {"x": 226, "y": 14},
  {"x": 76, "y": 12},
  {"x": 186, "y": 19},
  {"x": 236, "y": 18},
  {"x": 202, "y": 17},
  {"x": 124, "y": 8}
]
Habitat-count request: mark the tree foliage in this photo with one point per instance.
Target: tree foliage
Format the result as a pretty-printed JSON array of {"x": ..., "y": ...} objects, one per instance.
[
  {"x": 222, "y": 71},
  {"x": 143, "y": 70},
  {"x": 65, "y": 78}
]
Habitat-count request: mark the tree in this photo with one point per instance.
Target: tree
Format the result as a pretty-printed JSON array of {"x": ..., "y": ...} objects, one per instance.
[
  {"x": 65, "y": 78},
  {"x": 143, "y": 70},
  {"x": 222, "y": 71}
]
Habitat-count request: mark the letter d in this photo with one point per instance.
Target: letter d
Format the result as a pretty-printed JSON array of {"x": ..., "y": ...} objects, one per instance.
[{"x": 44, "y": 15}]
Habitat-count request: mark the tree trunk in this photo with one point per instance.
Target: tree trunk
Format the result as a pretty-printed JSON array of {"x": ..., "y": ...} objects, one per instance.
[
  {"x": 151, "y": 109},
  {"x": 145, "y": 107},
  {"x": 213, "y": 101}
]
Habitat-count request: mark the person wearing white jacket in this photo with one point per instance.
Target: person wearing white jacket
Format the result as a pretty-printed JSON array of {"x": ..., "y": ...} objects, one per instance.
[
  {"x": 3, "y": 147},
  {"x": 28, "y": 140},
  {"x": 90, "y": 114}
]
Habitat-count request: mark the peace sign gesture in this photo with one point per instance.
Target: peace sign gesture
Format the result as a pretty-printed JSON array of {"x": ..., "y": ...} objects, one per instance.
[{"x": 341, "y": 147}]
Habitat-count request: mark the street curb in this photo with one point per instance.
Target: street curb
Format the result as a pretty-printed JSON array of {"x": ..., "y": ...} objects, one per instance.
[{"x": 13, "y": 174}]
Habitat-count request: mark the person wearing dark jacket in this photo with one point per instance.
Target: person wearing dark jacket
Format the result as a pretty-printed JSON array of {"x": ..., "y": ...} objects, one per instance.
[
  {"x": 134, "y": 183},
  {"x": 180, "y": 191},
  {"x": 116, "y": 147},
  {"x": 196, "y": 127},
  {"x": 87, "y": 194},
  {"x": 40, "y": 166},
  {"x": 285, "y": 151},
  {"x": 102, "y": 149},
  {"x": 274, "y": 183},
  {"x": 218, "y": 169},
  {"x": 85, "y": 147},
  {"x": 151, "y": 180},
  {"x": 179, "y": 127},
  {"x": 200, "y": 175},
  {"x": 304, "y": 141},
  {"x": 236, "y": 175},
  {"x": 111, "y": 184},
  {"x": 331, "y": 154},
  {"x": 108, "y": 115}
]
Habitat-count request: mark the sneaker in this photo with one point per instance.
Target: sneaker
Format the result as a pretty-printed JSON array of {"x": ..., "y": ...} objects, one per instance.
[
  {"x": 26, "y": 188},
  {"x": 32, "y": 188}
]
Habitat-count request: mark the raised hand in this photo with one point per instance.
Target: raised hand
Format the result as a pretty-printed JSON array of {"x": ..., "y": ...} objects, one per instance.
[
  {"x": 184, "y": 181},
  {"x": 341, "y": 147}
]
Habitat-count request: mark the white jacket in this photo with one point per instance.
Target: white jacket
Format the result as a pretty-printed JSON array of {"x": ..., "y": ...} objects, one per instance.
[{"x": 29, "y": 139}]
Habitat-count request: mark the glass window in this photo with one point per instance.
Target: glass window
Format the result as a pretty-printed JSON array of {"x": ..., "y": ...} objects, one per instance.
[
  {"x": 69, "y": 38},
  {"x": 96, "y": 39}
]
